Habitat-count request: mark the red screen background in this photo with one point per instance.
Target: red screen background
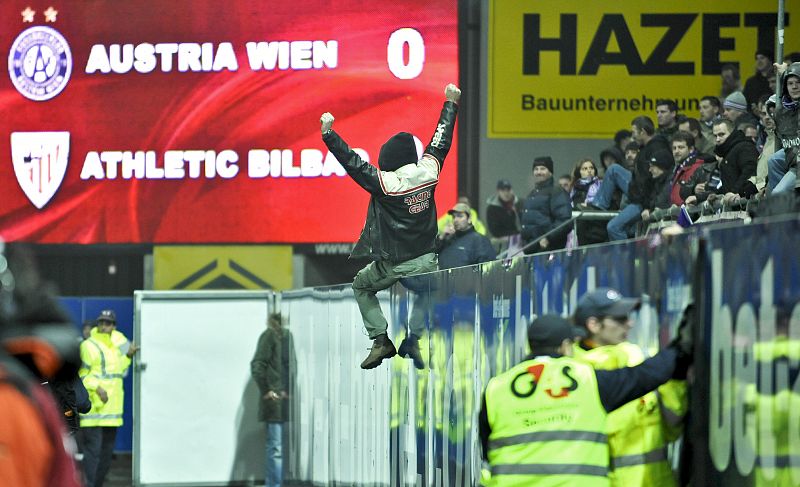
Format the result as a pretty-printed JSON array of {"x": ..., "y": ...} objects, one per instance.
[{"x": 241, "y": 110}]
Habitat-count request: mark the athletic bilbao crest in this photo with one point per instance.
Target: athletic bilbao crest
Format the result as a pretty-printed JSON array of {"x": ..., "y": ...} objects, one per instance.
[{"x": 40, "y": 162}]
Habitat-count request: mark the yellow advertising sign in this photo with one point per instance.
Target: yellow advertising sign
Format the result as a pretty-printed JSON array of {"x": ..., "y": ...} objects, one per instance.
[
  {"x": 222, "y": 267},
  {"x": 578, "y": 69}
]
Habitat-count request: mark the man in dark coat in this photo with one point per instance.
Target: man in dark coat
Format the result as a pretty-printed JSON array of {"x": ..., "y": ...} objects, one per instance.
[
  {"x": 757, "y": 85},
  {"x": 502, "y": 216},
  {"x": 661, "y": 168},
  {"x": 739, "y": 160},
  {"x": 729, "y": 176},
  {"x": 270, "y": 368},
  {"x": 459, "y": 244},
  {"x": 546, "y": 207}
]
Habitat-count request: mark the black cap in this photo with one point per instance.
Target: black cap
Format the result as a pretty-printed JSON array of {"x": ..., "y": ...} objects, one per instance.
[
  {"x": 107, "y": 315},
  {"x": 604, "y": 301},
  {"x": 663, "y": 159},
  {"x": 504, "y": 184},
  {"x": 549, "y": 331}
]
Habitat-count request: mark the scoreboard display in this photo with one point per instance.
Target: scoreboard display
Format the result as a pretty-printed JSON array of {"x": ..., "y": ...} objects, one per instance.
[{"x": 198, "y": 121}]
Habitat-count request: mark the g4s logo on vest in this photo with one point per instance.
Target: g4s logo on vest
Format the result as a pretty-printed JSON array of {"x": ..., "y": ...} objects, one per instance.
[{"x": 535, "y": 372}]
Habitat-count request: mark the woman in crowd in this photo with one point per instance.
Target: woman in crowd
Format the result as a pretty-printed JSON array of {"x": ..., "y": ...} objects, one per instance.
[{"x": 585, "y": 183}]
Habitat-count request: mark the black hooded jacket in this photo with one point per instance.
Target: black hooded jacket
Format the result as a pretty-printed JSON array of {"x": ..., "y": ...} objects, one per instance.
[
  {"x": 642, "y": 184},
  {"x": 401, "y": 217},
  {"x": 738, "y": 165}
]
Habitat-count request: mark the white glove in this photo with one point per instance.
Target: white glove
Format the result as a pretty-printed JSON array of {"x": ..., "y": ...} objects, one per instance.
[
  {"x": 452, "y": 93},
  {"x": 326, "y": 122}
]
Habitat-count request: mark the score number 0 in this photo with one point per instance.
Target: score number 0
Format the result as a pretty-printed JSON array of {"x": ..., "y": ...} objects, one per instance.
[{"x": 416, "y": 53}]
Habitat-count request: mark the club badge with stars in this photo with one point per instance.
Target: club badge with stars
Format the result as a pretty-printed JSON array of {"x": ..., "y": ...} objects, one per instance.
[{"x": 40, "y": 60}]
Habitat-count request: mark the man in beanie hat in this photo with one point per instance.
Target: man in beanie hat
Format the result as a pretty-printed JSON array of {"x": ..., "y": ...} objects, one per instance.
[
  {"x": 734, "y": 108},
  {"x": 543, "y": 422},
  {"x": 400, "y": 231},
  {"x": 546, "y": 207}
]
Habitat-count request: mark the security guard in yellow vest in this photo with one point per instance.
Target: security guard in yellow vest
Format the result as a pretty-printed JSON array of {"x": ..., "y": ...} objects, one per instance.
[
  {"x": 638, "y": 432},
  {"x": 543, "y": 423},
  {"x": 774, "y": 403},
  {"x": 105, "y": 358}
]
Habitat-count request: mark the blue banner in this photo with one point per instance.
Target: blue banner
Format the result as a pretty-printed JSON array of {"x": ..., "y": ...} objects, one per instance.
[{"x": 752, "y": 340}]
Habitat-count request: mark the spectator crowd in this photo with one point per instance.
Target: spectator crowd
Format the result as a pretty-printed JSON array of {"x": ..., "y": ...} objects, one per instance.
[{"x": 740, "y": 146}]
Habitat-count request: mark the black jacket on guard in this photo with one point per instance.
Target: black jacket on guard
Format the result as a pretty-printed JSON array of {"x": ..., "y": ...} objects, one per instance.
[{"x": 401, "y": 217}]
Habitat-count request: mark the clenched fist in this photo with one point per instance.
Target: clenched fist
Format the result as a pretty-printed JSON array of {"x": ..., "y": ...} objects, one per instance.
[
  {"x": 452, "y": 93},
  {"x": 326, "y": 122}
]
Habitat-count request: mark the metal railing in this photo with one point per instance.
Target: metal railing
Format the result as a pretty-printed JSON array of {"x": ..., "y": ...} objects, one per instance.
[
  {"x": 576, "y": 216},
  {"x": 711, "y": 210}
]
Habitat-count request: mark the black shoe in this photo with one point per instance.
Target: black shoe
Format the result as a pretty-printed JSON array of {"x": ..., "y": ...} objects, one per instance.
[
  {"x": 410, "y": 348},
  {"x": 382, "y": 348}
]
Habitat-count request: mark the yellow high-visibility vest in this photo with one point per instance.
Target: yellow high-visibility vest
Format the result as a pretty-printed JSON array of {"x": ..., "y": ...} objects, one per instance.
[
  {"x": 639, "y": 431},
  {"x": 547, "y": 425},
  {"x": 777, "y": 462},
  {"x": 104, "y": 365}
]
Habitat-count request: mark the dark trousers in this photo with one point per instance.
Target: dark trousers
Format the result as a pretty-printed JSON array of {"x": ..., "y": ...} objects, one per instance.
[{"x": 98, "y": 446}]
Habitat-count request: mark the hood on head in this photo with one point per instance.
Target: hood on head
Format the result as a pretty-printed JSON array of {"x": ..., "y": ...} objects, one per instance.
[
  {"x": 398, "y": 151},
  {"x": 793, "y": 70},
  {"x": 736, "y": 137},
  {"x": 614, "y": 152}
]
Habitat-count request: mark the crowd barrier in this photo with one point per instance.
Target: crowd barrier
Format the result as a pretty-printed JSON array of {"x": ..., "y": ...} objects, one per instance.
[{"x": 400, "y": 426}]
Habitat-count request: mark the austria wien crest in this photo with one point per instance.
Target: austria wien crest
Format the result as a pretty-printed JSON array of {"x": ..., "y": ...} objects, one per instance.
[{"x": 40, "y": 162}]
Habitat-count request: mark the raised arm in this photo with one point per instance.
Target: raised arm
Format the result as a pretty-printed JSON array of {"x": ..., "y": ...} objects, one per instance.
[
  {"x": 362, "y": 172},
  {"x": 439, "y": 145}
]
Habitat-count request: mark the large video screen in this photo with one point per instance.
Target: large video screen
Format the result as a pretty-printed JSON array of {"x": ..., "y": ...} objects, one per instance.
[{"x": 198, "y": 121}]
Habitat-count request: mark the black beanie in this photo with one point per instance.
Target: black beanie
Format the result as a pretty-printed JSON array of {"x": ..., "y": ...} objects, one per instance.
[
  {"x": 397, "y": 152},
  {"x": 663, "y": 159},
  {"x": 545, "y": 161}
]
